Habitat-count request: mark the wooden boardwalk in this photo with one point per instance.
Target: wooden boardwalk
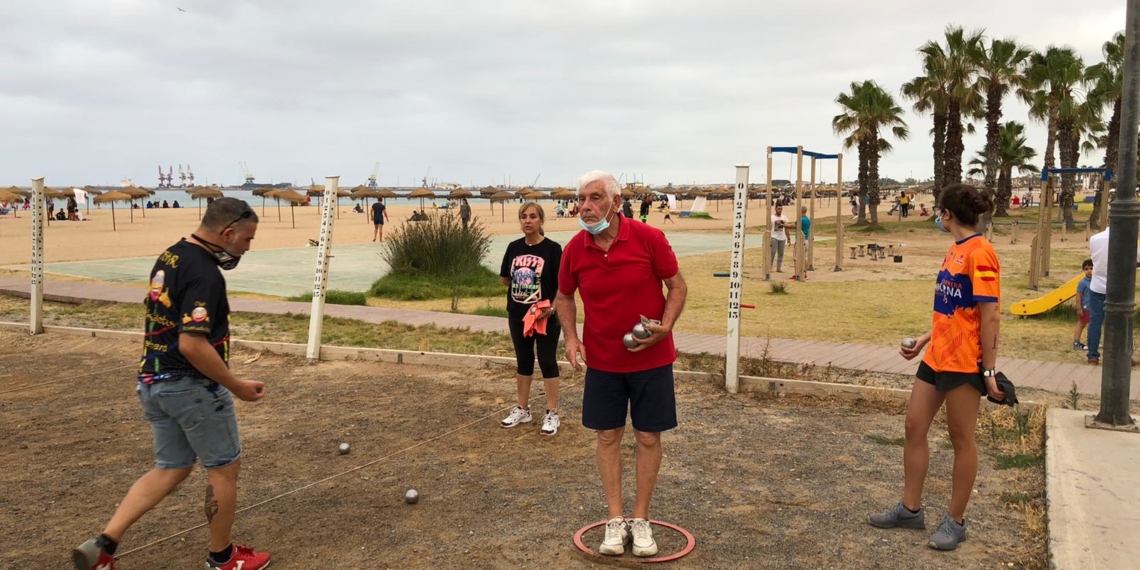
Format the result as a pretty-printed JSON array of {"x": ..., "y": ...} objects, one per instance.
[{"x": 1052, "y": 376}]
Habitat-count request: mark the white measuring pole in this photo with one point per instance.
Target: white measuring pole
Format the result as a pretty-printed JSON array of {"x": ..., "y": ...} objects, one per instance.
[
  {"x": 321, "y": 279},
  {"x": 736, "y": 280},
  {"x": 36, "y": 322}
]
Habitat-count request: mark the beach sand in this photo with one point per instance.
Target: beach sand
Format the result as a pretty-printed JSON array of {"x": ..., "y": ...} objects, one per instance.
[{"x": 150, "y": 235}]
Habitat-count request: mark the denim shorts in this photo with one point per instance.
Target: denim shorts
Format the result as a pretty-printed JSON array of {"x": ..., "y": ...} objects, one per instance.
[{"x": 192, "y": 419}]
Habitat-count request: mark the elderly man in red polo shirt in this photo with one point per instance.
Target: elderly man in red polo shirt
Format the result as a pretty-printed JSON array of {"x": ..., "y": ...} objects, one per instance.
[{"x": 618, "y": 265}]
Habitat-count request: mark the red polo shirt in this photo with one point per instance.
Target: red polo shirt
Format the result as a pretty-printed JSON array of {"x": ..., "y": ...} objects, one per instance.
[{"x": 618, "y": 287}]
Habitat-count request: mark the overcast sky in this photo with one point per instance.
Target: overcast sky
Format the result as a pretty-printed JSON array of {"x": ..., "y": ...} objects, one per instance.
[{"x": 670, "y": 91}]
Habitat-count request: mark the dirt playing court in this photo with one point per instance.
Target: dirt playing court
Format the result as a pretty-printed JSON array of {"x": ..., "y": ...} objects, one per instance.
[{"x": 761, "y": 483}]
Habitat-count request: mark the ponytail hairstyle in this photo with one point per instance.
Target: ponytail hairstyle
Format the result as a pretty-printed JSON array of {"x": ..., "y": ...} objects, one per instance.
[{"x": 966, "y": 203}]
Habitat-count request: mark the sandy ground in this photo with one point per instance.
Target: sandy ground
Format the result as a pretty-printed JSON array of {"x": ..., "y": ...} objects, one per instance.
[
  {"x": 149, "y": 235},
  {"x": 761, "y": 483}
]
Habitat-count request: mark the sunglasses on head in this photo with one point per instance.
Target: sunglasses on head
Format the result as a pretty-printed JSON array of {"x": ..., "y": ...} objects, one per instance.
[{"x": 248, "y": 213}]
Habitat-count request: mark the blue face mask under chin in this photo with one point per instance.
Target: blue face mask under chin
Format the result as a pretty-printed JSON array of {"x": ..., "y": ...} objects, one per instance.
[
  {"x": 596, "y": 227},
  {"x": 941, "y": 228}
]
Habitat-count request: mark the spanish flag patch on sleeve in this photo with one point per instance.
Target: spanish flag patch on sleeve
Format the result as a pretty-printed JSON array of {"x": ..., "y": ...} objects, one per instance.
[{"x": 986, "y": 273}]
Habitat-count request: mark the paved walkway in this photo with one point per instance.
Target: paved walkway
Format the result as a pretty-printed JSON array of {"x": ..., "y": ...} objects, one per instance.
[{"x": 1052, "y": 376}]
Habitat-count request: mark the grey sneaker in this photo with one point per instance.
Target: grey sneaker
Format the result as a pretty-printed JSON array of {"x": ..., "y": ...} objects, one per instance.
[
  {"x": 899, "y": 517},
  {"x": 617, "y": 536},
  {"x": 949, "y": 534},
  {"x": 518, "y": 415}
]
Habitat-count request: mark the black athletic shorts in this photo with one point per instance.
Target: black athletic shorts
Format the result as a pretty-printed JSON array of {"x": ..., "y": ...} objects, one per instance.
[
  {"x": 648, "y": 395},
  {"x": 946, "y": 381}
]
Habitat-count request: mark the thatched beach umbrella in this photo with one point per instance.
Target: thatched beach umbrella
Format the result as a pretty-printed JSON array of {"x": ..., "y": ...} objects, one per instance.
[
  {"x": 537, "y": 195},
  {"x": 205, "y": 193},
  {"x": 421, "y": 193},
  {"x": 20, "y": 191},
  {"x": 135, "y": 193},
  {"x": 262, "y": 192},
  {"x": 110, "y": 198},
  {"x": 363, "y": 193},
  {"x": 502, "y": 196},
  {"x": 291, "y": 196},
  {"x": 459, "y": 193},
  {"x": 563, "y": 194},
  {"x": 6, "y": 196}
]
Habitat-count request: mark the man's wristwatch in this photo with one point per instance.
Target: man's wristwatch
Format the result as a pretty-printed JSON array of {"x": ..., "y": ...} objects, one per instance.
[{"x": 989, "y": 372}]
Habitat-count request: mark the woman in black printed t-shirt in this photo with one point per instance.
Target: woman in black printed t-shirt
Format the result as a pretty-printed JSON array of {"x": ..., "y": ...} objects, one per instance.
[{"x": 530, "y": 271}]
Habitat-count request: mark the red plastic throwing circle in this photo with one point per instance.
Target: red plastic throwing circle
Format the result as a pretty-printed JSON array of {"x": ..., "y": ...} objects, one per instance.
[{"x": 692, "y": 543}]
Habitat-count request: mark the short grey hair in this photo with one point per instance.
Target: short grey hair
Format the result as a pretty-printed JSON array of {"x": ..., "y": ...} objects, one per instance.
[{"x": 611, "y": 184}]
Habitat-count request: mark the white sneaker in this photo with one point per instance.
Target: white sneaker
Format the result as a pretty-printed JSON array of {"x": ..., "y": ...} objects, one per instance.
[
  {"x": 550, "y": 424},
  {"x": 643, "y": 543},
  {"x": 617, "y": 534},
  {"x": 518, "y": 415}
]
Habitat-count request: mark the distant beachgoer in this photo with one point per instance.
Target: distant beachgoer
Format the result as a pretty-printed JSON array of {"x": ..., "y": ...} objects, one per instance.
[
  {"x": 27, "y": 204},
  {"x": 923, "y": 211},
  {"x": 1016, "y": 201},
  {"x": 379, "y": 216},
  {"x": 165, "y": 204},
  {"x": 1083, "y": 304},
  {"x": 644, "y": 213},
  {"x": 777, "y": 226},
  {"x": 175, "y": 204},
  {"x": 465, "y": 213},
  {"x": 627, "y": 208}
]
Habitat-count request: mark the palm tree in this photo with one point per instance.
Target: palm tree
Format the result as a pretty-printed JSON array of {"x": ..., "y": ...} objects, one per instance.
[
  {"x": 955, "y": 67},
  {"x": 929, "y": 95},
  {"x": 1012, "y": 153},
  {"x": 868, "y": 111},
  {"x": 1053, "y": 77},
  {"x": 1106, "y": 82},
  {"x": 1000, "y": 67}
]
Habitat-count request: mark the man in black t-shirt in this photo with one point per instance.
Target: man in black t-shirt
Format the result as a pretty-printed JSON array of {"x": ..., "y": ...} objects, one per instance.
[
  {"x": 186, "y": 387},
  {"x": 379, "y": 216}
]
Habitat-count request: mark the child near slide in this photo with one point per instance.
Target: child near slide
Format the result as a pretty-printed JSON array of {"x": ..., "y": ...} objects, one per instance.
[{"x": 1083, "y": 310}]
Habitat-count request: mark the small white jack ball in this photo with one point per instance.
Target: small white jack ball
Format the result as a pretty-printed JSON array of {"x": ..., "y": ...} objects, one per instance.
[
  {"x": 412, "y": 496},
  {"x": 343, "y": 449}
]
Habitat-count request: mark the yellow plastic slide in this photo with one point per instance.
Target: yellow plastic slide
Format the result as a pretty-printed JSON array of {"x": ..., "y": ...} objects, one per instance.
[{"x": 1052, "y": 299}]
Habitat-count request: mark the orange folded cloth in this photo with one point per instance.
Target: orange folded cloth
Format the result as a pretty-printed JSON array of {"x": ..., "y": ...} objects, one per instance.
[{"x": 531, "y": 323}]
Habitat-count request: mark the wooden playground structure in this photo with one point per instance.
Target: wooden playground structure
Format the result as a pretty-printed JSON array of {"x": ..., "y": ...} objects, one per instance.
[
  {"x": 804, "y": 260},
  {"x": 1041, "y": 248}
]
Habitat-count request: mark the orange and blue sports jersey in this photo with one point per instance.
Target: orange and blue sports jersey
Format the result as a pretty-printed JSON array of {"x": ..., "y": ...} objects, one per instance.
[{"x": 970, "y": 275}]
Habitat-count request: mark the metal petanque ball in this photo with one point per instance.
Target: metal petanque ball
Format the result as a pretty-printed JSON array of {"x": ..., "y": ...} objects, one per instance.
[
  {"x": 629, "y": 341},
  {"x": 412, "y": 497},
  {"x": 909, "y": 342},
  {"x": 641, "y": 332},
  {"x": 343, "y": 449}
]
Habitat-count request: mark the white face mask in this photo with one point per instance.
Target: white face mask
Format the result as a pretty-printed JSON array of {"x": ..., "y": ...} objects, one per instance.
[{"x": 597, "y": 227}]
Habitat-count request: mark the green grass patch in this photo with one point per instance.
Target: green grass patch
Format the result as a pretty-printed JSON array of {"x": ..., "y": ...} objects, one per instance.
[
  {"x": 335, "y": 297},
  {"x": 884, "y": 440},
  {"x": 778, "y": 288},
  {"x": 477, "y": 281},
  {"x": 490, "y": 311},
  {"x": 1020, "y": 461}
]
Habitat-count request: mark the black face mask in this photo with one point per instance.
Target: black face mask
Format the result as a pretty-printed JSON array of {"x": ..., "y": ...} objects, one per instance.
[{"x": 225, "y": 259}]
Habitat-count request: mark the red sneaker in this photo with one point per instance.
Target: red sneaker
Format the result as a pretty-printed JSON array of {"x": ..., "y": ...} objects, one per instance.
[
  {"x": 244, "y": 558},
  {"x": 88, "y": 556}
]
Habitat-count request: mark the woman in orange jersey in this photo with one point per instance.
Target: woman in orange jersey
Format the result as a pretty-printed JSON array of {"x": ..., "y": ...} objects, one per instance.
[{"x": 958, "y": 367}]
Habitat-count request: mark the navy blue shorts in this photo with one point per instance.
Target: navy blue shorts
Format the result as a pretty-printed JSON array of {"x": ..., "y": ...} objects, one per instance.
[{"x": 648, "y": 395}]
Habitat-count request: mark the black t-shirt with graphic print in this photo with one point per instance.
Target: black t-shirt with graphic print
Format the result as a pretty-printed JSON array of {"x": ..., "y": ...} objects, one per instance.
[
  {"x": 187, "y": 294},
  {"x": 533, "y": 271}
]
